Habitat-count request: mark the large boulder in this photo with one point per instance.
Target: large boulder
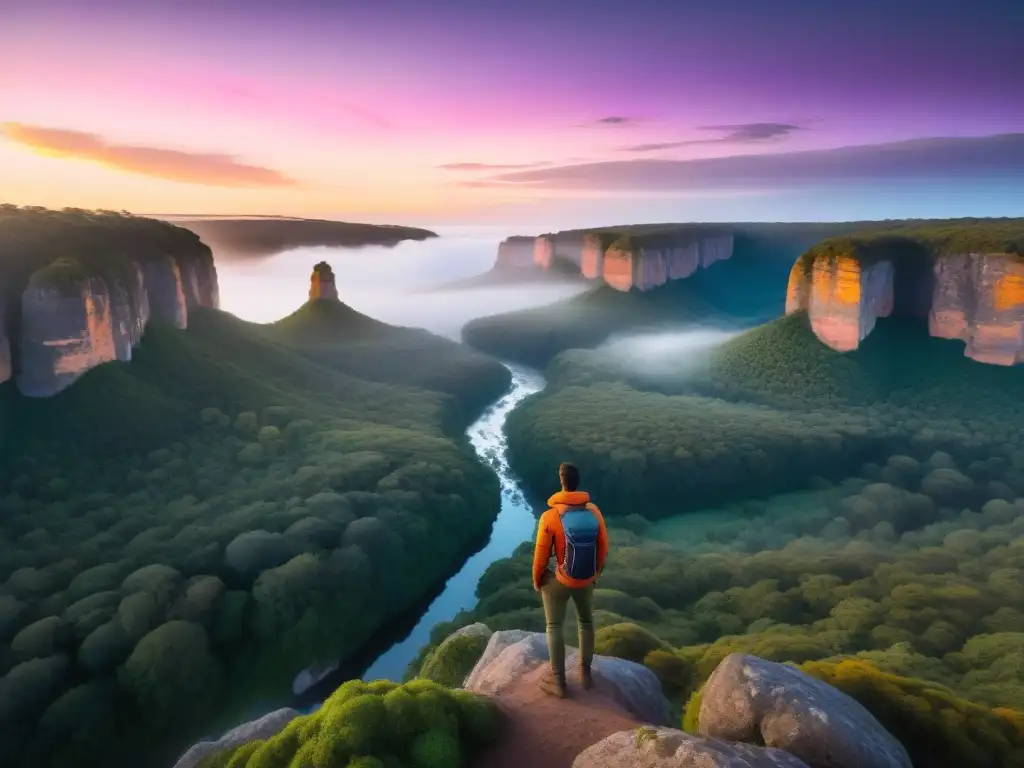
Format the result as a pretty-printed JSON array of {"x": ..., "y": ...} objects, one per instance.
[
  {"x": 752, "y": 700},
  {"x": 511, "y": 655},
  {"x": 269, "y": 725},
  {"x": 669, "y": 748}
]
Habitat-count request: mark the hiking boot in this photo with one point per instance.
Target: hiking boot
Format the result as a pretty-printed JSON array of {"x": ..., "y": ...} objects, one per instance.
[
  {"x": 553, "y": 684},
  {"x": 586, "y": 678}
]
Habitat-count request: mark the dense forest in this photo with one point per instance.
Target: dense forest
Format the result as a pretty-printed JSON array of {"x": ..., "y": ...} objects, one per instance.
[
  {"x": 875, "y": 537},
  {"x": 181, "y": 534},
  {"x": 857, "y": 514}
]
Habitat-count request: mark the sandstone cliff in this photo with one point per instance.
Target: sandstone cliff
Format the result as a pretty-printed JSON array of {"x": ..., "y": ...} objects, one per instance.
[
  {"x": 91, "y": 305},
  {"x": 516, "y": 252},
  {"x": 5, "y": 346},
  {"x": 976, "y": 296},
  {"x": 321, "y": 283},
  {"x": 625, "y": 262}
]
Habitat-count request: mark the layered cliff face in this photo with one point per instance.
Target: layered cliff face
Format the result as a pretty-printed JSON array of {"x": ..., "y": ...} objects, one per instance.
[
  {"x": 116, "y": 273},
  {"x": 979, "y": 298},
  {"x": 842, "y": 297},
  {"x": 975, "y": 297},
  {"x": 6, "y": 369},
  {"x": 627, "y": 265},
  {"x": 67, "y": 328},
  {"x": 321, "y": 283},
  {"x": 516, "y": 252}
]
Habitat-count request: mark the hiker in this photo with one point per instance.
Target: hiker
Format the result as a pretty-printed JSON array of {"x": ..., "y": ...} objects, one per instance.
[{"x": 573, "y": 530}]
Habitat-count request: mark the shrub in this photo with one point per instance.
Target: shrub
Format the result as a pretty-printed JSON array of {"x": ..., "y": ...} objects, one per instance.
[
  {"x": 627, "y": 641},
  {"x": 454, "y": 659},
  {"x": 379, "y": 723},
  {"x": 936, "y": 728},
  {"x": 27, "y": 688},
  {"x": 171, "y": 672},
  {"x": 39, "y": 640}
]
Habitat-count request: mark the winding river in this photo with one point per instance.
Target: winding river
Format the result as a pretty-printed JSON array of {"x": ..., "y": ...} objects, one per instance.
[{"x": 513, "y": 526}]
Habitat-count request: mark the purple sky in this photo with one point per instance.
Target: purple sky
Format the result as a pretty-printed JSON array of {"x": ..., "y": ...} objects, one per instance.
[{"x": 415, "y": 110}]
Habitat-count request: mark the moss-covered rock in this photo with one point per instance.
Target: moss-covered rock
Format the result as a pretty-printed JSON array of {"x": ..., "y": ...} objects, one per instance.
[
  {"x": 454, "y": 658},
  {"x": 419, "y": 724}
]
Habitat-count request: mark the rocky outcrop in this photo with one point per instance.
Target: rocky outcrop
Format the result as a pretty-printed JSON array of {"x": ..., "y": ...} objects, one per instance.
[
  {"x": 627, "y": 265},
  {"x": 321, "y": 283},
  {"x": 71, "y": 323},
  {"x": 6, "y": 369},
  {"x": 513, "y": 654},
  {"x": 161, "y": 278},
  {"x": 670, "y": 748},
  {"x": 67, "y": 328},
  {"x": 748, "y": 699},
  {"x": 129, "y": 304},
  {"x": 269, "y": 725},
  {"x": 543, "y": 250},
  {"x": 516, "y": 252},
  {"x": 975, "y": 297},
  {"x": 979, "y": 298},
  {"x": 842, "y": 297}
]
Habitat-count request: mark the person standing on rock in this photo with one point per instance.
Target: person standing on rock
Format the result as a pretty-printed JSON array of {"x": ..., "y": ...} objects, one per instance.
[{"x": 572, "y": 530}]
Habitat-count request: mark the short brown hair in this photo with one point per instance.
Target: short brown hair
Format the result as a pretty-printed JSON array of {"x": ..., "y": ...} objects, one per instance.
[{"x": 569, "y": 475}]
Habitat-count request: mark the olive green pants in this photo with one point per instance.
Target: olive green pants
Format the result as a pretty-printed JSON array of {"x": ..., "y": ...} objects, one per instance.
[{"x": 556, "y": 598}]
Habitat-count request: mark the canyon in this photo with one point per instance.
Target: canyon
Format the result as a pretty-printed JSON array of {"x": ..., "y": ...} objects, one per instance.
[
  {"x": 61, "y": 318},
  {"x": 623, "y": 261},
  {"x": 976, "y": 297}
]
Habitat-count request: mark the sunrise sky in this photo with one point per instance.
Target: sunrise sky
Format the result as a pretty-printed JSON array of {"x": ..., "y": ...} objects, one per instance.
[{"x": 570, "y": 112}]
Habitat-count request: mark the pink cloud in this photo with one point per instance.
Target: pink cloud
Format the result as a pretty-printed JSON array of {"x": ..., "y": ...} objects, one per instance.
[{"x": 214, "y": 170}]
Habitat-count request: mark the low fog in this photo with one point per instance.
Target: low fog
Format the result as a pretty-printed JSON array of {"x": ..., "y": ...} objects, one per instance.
[
  {"x": 391, "y": 284},
  {"x": 664, "y": 352}
]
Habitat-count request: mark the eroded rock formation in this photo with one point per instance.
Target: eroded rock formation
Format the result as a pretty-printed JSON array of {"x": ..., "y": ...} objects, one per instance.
[
  {"x": 516, "y": 251},
  {"x": 979, "y": 298},
  {"x": 975, "y": 297},
  {"x": 843, "y": 298},
  {"x": 321, "y": 283},
  {"x": 543, "y": 250},
  {"x": 70, "y": 324},
  {"x": 647, "y": 266},
  {"x": 67, "y": 328},
  {"x": 6, "y": 369},
  {"x": 161, "y": 278}
]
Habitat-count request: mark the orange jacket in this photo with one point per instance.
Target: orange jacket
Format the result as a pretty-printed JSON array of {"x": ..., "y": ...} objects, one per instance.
[{"x": 550, "y": 535}]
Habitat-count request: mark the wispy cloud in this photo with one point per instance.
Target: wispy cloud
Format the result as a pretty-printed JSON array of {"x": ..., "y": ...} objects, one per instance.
[
  {"x": 213, "y": 170},
  {"x": 936, "y": 159},
  {"x": 743, "y": 133},
  {"x": 491, "y": 166}
]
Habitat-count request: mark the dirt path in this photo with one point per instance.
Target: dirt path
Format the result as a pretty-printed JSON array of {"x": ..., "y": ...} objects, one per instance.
[{"x": 544, "y": 732}]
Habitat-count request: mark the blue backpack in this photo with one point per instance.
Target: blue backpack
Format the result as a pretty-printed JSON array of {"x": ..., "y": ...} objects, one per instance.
[{"x": 581, "y": 530}]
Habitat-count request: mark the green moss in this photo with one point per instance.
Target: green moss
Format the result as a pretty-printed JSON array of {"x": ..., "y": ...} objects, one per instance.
[
  {"x": 936, "y": 728},
  {"x": 691, "y": 715},
  {"x": 643, "y": 735},
  {"x": 375, "y": 724},
  {"x": 627, "y": 641},
  {"x": 454, "y": 659}
]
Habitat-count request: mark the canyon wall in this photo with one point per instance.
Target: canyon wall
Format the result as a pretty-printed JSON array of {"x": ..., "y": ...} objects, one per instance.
[
  {"x": 644, "y": 267},
  {"x": 979, "y": 298},
  {"x": 842, "y": 297},
  {"x": 516, "y": 252},
  {"x": 643, "y": 263},
  {"x": 72, "y": 323},
  {"x": 6, "y": 369},
  {"x": 975, "y": 297}
]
